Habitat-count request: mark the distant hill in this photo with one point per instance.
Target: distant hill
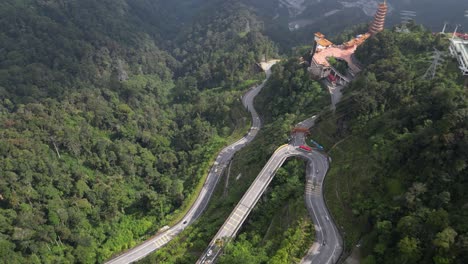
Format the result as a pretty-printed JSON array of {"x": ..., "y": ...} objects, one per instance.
[{"x": 293, "y": 22}]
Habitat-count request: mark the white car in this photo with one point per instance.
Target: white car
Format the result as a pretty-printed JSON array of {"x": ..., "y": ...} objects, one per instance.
[{"x": 209, "y": 252}]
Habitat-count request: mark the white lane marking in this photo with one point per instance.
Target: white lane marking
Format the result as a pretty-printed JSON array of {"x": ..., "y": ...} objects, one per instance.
[
  {"x": 242, "y": 212},
  {"x": 231, "y": 224},
  {"x": 239, "y": 217}
]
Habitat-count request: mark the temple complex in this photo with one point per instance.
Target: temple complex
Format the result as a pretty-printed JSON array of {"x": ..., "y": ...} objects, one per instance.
[
  {"x": 324, "y": 49},
  {"x": 319, "y": 65}
]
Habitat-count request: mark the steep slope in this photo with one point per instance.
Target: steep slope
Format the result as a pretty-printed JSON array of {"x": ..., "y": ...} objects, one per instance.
[
  {"x": 104, "y": 130},
  {"x": 50, "y": 47},
  {"x": 288, "y": 97},
  {"x": 399, "y": 149}
]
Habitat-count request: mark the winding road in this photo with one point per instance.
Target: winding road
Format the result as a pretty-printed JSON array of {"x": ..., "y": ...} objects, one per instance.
[
  {"x": 328, "y": 245},
  {"x": 212, "y": 179}
]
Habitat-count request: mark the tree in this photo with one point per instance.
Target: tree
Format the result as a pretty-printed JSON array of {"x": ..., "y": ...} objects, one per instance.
[
  {"x": 445, "y": 239},
  {"x": 409, "y": 248}
]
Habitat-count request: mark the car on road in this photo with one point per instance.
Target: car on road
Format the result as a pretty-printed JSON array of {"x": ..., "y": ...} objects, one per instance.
[
  {"x": 305, "y": 148},
  {"x": 209, "y": 252},
  {"x": 185, "y": 222}
]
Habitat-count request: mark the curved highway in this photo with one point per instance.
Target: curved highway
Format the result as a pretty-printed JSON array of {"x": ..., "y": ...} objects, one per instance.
[
  {"x": 328, "y": 245},
  {"x": 212, "y": 179}
]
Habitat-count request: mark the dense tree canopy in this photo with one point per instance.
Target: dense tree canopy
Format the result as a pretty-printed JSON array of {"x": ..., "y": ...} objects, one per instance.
[
  {"x": 279, "y": 227},
  {"x": 110, "y": 112},
  {"x": 416, "y": 199},
  {"x": 107, "y": 121},
  {"x": 292, "y": 90}
]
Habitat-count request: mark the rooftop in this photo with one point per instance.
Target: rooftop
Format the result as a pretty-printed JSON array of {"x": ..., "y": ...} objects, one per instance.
[
  {"x": 357, "y": 40},
  {"x": 324, "y": 42},
  {"x": 459, "y": 49},
  {"x": 319, "y": 35},
  {"x": 461, "y": 46}
]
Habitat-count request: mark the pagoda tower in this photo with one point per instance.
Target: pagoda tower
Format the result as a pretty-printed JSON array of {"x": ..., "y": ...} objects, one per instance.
[{"x": 379, "y": 19}]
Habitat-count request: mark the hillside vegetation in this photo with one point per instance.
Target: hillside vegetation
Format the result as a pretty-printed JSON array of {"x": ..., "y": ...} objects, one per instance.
[
  {"x": 278, "y": 228},
  {"x": 400, "y": 150},
  {"x": 108, "y": 122},
  {"x": 112, "y": 111}
]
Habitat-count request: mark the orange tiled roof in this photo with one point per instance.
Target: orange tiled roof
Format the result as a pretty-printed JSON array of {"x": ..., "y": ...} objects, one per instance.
[
  {"x": 324, "y": 42},
  {"x": 356, "y": 41},
  {"x": 319, "y": 35}
]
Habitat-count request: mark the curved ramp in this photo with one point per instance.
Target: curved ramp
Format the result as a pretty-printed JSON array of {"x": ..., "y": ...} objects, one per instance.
[{"x": 328, "y": 245}]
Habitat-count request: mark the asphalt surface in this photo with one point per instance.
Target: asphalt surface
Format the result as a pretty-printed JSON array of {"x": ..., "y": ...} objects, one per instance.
[
  {"x": 243, "y": 208},
  {"x": 328, "y": 245},
  {"x": 335, "y": 93},
  {"x": 212, "y": 179}
]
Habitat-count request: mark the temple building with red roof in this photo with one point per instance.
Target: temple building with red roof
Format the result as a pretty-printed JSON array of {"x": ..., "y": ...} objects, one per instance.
[{"x": 324, "y": 49}]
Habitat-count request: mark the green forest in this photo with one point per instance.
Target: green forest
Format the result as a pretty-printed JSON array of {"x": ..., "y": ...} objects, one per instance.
[
  {"x": 111, "y": 113},
  {"x": 279, "y": 228},
  {"x": 399, "y": 146},
  {"x": 108, "y": 122}
]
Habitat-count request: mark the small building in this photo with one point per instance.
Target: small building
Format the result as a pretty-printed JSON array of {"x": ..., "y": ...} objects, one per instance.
[
  {"x": 319, "y": 70},
  {"x": 459, "y": 49},
  {"x": 319, "y": 35},
  {"x": 321, "y": 41},
  {"x": 324, "y": 43},
  {"x": 358, "y": 40}
]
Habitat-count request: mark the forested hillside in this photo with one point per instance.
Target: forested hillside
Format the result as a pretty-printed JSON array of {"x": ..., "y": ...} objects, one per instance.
[
  {"x": 110, "y": 112},
  {"x": 278, "y": 228},
  {"x": 400, "y": 149}
]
